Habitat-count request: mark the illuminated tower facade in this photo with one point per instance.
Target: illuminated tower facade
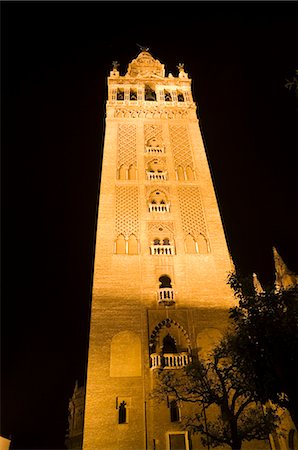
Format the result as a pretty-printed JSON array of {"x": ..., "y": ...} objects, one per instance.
[{"x": 159, "y": 292}]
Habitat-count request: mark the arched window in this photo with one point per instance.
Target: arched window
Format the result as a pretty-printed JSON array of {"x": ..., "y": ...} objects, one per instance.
[
  {"x": 174, "y": 411},
  {"x": 120, "y": 94},
  {"x": 120, "y": 245},
  {"x": 122, "y": 416},
  {"x": 132, "y": 245},
  {"x": 150, "y": 94},
  {"x": 131, "y": 172},
  {"x": 156, "y": 242},
  {"x": 180, "y": 97},
  {"x": 133, "y": 94},
  {"x": 190, "y": 244},
  {"x": 122, "y": 172},
  {"x": 166, "y": 241},
  {"x": 202, "y": 243},
  {"x": 180, "y": 173},
  {"x": 169, "y": 344},
  {"x": 168, "y": 97},
  {"x": 189, "y": 173},
  {"x": 165, "y": 282}
]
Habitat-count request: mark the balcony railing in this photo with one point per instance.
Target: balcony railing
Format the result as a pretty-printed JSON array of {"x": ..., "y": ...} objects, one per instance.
[
  {"x": 154, "y": 150},
  {"x": 162, "y": 207},
  {"x": 170, "y": 360},
  {"x": 166, "y": 296},
  {"x": 156, "y": 175},
  {"x": 162, "y": 250}
]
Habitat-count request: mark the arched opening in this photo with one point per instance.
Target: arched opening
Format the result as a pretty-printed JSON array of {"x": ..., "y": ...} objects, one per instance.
[
  {"x": 132, "y": 245},
  {"x": 168, "y": 97},
  {"x": 166, "y": 241},
  {"x": 189, "y": 173},
  {"x": 180, "y": 173},
  {"x": 180, "y": 97},
  {"x": 133, "y": 94},
  {"x": 120, "y": 94},
  {"x": 131, "y": 172},
  {"x": 120, "y": 245},
  {"x": 156, "y": 241},
  {"x": 190, "y": 244},
  {"x": 202, "y": 244},
  {"x": 169, "y": 344},
  {"x": 165, "y": 282},
  {"x": 122, "y": 172},
  {"x": 150, "y": 94}
]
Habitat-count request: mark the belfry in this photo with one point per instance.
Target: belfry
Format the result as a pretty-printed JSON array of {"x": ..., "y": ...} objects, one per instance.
[{"x": 159, "y": 295}]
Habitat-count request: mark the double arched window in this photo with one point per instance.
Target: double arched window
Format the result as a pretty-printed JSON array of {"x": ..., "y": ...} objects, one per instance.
[{"x": 124, "y": 246}]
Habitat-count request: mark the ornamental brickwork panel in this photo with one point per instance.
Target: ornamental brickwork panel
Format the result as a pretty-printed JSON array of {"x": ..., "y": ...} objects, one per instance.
[
  {"x": 191, "y": 210},
  {"x": 180, "y": 145},
  {"x": 127, "y": 210},
  {"x": 127, "y": 145}
]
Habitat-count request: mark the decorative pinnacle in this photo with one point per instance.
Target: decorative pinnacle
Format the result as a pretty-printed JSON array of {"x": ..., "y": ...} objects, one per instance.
[
  {"x": 181, "y": 67},
  {"x": 115, "y": 65}
]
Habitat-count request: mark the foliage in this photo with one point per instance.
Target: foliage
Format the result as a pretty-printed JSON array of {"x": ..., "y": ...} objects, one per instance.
[
  {"x": 227, "y": 409},
  {"x": 265, "y": 342}
]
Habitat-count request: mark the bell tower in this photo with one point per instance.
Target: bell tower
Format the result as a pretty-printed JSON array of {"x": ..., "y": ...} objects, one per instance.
[{"x": 159, "y": 291}]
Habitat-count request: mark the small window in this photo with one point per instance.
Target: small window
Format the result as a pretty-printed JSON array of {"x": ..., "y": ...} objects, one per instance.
[
  {"x": 120, "y": 94},
  {"x": 156, "y": 242},
  {"x": 168, "y": 97},
  {"x": 133, "y": 94},
  {"x": 174, "y": 411},
  {"x": 180, "y": 97},
  {"x": 165, "y": 282},
  {"x": 122, "y": 413},
  {"x": 166, "y": 241},
  {"x": 150, "y": 94}
]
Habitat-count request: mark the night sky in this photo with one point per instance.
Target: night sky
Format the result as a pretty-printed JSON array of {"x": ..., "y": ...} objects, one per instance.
[{"x": 55, "y": 60}]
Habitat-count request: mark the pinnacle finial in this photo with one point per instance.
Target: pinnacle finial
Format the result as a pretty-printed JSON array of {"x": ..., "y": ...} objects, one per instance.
[
  {"x": 181, "y": 67},
  {"x": 115, "y": 65}
]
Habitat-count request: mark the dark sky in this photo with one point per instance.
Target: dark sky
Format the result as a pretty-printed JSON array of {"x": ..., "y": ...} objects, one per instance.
[{"x": 55, "y": 60}]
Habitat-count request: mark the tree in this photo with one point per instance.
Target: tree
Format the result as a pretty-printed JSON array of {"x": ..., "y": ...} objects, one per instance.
[
  {"x": 265, "y": 342},
  {"x": 227, "y": 410}
]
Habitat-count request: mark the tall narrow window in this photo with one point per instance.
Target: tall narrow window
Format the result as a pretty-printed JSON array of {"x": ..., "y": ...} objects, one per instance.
[
  {"x": 122, "y": 413},
  {"x": 120, "y": 245},
  {"x": 189, "y": 173},
  {"x": 180, "y": 173},
  {"x": 131, "y": 172},
  {"x": 168, "y": 97},
  {"x": 122, "y": 172},
  {"x": 120, "y": 94},
  {"x": 132, "y": 245},
  {"x": 133, "y": 94},
  {"x": 180, "y": 97},
  {"x": 190, "y": 244},
  {"x": 202, "y": 243},
  {"x": 174, "y": 411}
]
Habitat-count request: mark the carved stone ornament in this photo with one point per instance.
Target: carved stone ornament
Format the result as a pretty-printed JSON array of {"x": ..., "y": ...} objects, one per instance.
[
  {"x": 145, "y": 66},
  {"x": 154, "y": 113}
]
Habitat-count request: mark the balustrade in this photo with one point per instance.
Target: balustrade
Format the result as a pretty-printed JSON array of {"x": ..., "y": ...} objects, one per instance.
[
  {"x": 154, "y": 150},
  {"x": 170, "y": 360},
  {"x": 166, "y": 294},
  {"x": 156, "y": 175},
  {"x": 162, "y": 249},
  {"x": 162, "y": 207}
]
